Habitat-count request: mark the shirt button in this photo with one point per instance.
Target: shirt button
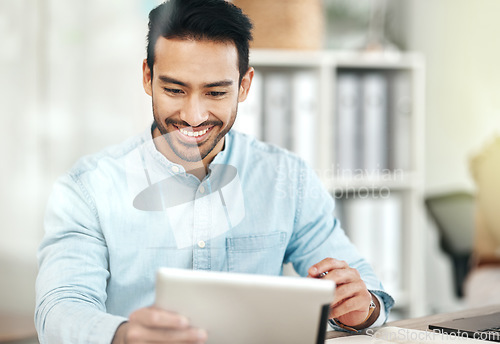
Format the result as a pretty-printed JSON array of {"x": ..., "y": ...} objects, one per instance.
[
  {"x": 202, "y": 189},
  {"x": 175, "y": 169},
  {"x": 201, "y": 244}
]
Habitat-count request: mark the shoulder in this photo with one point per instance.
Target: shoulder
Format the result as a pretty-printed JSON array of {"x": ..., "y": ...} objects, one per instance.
[
  {"x": 109, "y": 158},
  {"x": 261, "y": 161},
  {"x": 258, "y": 150}
]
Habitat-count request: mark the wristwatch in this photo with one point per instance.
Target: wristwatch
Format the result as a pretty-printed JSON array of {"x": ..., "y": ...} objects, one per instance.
[{"x": 371, "y": 309}]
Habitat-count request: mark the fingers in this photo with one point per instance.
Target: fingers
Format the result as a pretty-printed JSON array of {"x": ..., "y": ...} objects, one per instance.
[
  {"x": 358, "y": 293},
  {"x": 326, "y": 265},
  {"x": 337, "y": 270},
  {"x": 352, "y": 298},
  {"x": 350, "y": 290},
  {"x": 157, "y": 318},
  {"x": 138, "y": 334},
  {"x": 344, "y": 276},
  {"x": 155, "y": 325},
  {"x": 349, "y": 312}
]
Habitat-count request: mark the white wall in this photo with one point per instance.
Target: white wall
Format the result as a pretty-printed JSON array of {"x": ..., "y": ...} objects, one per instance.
[
  {"x": 19, "y": 172},
  {"x": 70, "y": 84},
  {"x": 460, "y": 41}
]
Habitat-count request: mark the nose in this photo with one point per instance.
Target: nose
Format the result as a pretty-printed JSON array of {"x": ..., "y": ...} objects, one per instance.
[{"x": 194, "y": 111}]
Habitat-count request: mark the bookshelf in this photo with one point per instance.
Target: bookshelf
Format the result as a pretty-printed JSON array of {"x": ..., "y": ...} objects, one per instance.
[{"x": 388, "y": 127}]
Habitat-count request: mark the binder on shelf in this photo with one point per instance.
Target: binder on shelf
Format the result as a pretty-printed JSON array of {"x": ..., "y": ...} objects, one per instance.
[
  {"x": 374, "y": 227},
  {"x": 359, "y": 226},
  {"x": 249, "y": 117},
  {"x": 304, "y": 115},
  {"x": 347, "y": 131},
  {"x": 277, "y": 108},
  {"x": 375, "y": 143},
  {"x": 388, "y": 222},
  {"x": 400, "y": 113}
]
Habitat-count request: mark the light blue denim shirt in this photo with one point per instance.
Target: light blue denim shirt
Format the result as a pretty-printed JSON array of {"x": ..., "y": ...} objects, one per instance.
[{"x": 119, "y": 215}]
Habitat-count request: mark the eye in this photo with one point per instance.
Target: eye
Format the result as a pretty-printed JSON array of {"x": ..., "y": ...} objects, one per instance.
[
  {"x": 173, "y": 90},
  {"x": 216, "y": 94}
]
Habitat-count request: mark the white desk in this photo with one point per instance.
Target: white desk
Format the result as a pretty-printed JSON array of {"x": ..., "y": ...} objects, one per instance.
[{"x": 423, "y": 322}]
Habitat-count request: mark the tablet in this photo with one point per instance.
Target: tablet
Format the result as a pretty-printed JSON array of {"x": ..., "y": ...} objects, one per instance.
[{"x": 248, "y": 309}]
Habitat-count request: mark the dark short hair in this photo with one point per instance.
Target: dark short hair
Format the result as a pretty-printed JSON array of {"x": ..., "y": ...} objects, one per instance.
[{"x": 214, "y": 20}]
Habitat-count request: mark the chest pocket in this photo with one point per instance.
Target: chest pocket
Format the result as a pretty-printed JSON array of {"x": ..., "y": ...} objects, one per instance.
[{"x": 258, "y": 254}]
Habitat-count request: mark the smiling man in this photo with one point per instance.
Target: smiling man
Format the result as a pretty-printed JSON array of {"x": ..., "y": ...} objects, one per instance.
[
  {"x": 195, "y": 86},
  {"x": 189, "y": 193}
]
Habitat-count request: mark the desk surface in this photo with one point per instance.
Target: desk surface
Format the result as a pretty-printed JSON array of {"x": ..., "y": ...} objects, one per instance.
[
  {"x": 16, "y": 327},
  {"x": 423, "y": 323}
]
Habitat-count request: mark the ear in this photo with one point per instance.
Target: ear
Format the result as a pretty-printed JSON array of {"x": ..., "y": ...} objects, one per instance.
[
  {"x": 146, "y": 78},
  {"x": 246, "y": 82}
]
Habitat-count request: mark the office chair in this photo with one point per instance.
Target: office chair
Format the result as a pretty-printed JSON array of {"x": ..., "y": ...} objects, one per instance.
[{"x": 453, "y": 214}]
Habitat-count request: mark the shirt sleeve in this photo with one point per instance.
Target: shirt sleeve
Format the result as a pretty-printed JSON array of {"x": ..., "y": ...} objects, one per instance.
[
  {"x": 73, "y": 270},
  {"x": 318, "y": 235}
]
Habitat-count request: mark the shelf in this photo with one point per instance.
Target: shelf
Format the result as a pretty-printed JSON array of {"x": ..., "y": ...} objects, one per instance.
[
  {"x": 397, "y": 215},
  {"x": 339, "y": 59},
  {"x": 286, "y": 58},
  {"x": 388, "y": 60}
]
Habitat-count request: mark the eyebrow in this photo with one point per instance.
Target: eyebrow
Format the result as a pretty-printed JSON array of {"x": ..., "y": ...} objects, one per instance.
[
  {"x": 169, "y": 80},
  {"x": 222, "y": 83},
  {"x": 219, "y": 83}
]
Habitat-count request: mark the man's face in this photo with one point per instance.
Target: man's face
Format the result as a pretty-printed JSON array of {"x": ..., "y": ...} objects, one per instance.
[{"x": 195, "y": 94}]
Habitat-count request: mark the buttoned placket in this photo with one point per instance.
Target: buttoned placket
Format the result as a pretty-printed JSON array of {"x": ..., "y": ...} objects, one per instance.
[
  {"x": 202, "y": 213},
  {"x": 201, "y": 231}
]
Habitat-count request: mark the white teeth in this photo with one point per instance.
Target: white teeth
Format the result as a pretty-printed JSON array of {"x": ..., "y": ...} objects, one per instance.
[{"x": 193, "y": 133}]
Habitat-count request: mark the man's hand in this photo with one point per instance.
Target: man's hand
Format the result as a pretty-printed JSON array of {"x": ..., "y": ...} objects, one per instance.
[
  {"x": 152, "y": 324},
  {"x": 352, "y": 299}
]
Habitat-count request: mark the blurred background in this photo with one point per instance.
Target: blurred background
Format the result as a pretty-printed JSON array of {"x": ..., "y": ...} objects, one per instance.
[{"x": 71, "y": 84}]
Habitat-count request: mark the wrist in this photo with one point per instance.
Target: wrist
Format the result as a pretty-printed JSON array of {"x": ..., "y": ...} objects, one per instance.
[
  {"x": 373, "y": 315},
  {"x": 119, "y": 337}
]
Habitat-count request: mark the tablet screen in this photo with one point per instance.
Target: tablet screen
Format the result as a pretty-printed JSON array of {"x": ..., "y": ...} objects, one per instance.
[{"x": 245, "y": 308}]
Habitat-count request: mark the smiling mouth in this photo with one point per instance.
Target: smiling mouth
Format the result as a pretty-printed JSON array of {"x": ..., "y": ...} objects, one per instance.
[
  {"x": 193, "y": 133},
  {"x": 187, "y": 134}
]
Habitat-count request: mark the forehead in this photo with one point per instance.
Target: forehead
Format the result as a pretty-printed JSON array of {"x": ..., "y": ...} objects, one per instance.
[{"x": 201, "y": 60}]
